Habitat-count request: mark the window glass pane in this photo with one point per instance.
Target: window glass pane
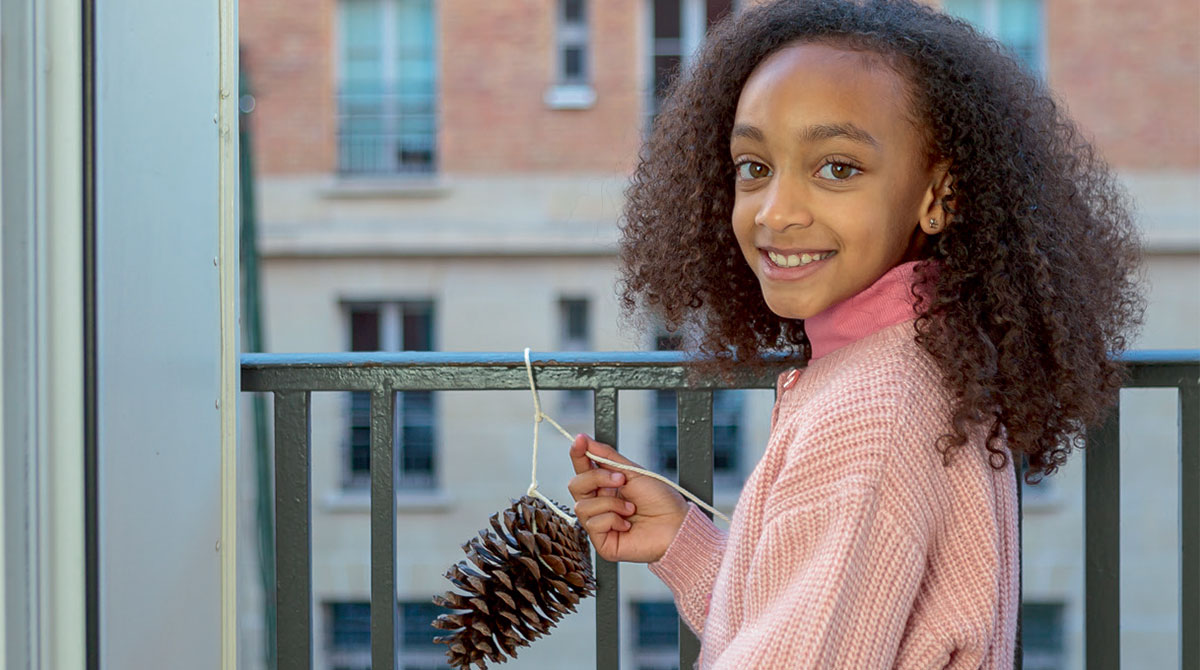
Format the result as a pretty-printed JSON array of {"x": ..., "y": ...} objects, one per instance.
[
  {"x": 727, "y": 419},
  {"x": 418, "y": 326},
  {"x": 417, "y": 438},
  {"x": 665, "y": 69},
  {"x": 970, "y": 10},
  {"x": 717, "y": 9},
  {"x": 573, "y": 317},
  {"x": 360, "y": 434},
  {"x": 364, "y": 328},
  {"x": 657, "y": 624},
  {"x": 572, "y": 11},
  {"x": 572, "y": 62},
  {"x": 416, "y": 618},
  {"x": 350, "y": 625},
  {"x": 362, "y": 43},
  {"x": 667, "y": 19},
  {"x": 1021, "y": 29}
]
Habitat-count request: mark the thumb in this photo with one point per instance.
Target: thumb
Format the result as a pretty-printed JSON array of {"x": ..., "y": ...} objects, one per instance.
[{"x": 605, "y": 451}]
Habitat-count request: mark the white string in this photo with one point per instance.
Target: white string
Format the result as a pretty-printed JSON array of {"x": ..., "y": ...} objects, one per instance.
[{"x": 539, "y": 416}]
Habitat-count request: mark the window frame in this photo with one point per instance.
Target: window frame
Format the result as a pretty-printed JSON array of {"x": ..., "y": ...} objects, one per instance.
[
  {"x": 391, "y": 316},
  {"x": 395, "y": 167}
]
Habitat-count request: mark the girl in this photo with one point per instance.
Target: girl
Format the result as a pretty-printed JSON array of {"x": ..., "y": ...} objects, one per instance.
[{"x": 878, "y": 188}]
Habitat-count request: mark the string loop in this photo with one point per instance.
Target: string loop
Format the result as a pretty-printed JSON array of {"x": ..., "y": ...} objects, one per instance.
[{"x": 539, "y": 416}]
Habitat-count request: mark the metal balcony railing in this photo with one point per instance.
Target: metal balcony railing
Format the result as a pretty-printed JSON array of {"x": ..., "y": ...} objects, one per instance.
[{"x": 292, "y": 378}]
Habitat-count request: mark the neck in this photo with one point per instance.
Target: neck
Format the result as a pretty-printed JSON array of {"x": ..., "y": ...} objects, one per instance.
[{"x": 884, "y": 303}]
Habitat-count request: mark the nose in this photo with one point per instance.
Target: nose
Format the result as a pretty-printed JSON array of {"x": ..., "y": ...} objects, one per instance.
[{"x": 783, "y": 205}]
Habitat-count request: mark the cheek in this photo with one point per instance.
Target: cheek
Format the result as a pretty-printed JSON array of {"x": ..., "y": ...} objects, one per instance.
[{"x": 742, "y": 220}]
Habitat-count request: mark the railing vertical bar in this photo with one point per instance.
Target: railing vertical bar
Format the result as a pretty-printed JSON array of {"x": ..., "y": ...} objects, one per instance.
[
  {"x": 383, "y": 529},
  {"x": 694, "y": 452},
  {"x": 608, "y": 638},
  {"x": 1189, "y": 523},
  {"x": 293, "y": 555},
  {"x": 1102, "y": 546}
]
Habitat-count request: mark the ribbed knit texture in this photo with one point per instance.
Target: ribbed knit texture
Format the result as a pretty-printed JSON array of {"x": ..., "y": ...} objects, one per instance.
[{"x": 852, "y": 545}]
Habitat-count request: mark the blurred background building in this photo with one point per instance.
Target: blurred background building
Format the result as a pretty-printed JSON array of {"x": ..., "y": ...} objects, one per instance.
[{"x": 448, "y": 175}]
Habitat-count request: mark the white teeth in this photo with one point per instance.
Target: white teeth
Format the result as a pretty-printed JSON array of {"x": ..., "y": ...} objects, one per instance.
[{"x": 795, "y": 260}]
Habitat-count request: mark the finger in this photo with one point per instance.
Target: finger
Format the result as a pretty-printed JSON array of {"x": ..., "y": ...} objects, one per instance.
[
  {"x": 601, "y": 524},
  {"x": 592, "y": 507},
  {"x": 592, "y": 482},
  {"x": 579, "y": 459},
  {"x": 602, "y": 450}
]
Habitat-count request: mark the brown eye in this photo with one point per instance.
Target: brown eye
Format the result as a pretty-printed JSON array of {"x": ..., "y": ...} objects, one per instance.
[
  {"x": 838, "y": 171},
  {"x": 750, "y": 170}
]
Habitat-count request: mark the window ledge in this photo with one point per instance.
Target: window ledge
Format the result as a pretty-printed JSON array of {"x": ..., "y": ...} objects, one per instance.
[
  {"x": 570, "y": 96},
  {"x": 355, "y": 501},
  {"x": 385, "y": 186}
]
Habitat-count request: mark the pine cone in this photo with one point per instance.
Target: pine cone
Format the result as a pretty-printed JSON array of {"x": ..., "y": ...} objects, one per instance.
[{"x": 520, "y": 577}]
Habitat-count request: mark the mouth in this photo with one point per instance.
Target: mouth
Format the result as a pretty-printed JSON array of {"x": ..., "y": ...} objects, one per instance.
[{"x": 799, "y": 259}]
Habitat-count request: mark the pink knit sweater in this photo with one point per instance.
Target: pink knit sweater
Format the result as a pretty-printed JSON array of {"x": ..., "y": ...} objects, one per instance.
[{"x": 852, "y": 545}]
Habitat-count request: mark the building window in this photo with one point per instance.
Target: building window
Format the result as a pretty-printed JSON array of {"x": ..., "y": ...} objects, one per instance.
[
  {"x": 575, "y": 334},
  {"x": 573, "y": 66},
  {"x": 677, "y": 28},
  {"x": 349, "y": 636},
  {"x": 727, "y": 419},
  {"x": 1042, "y": 645},
  {"x": 386, "y": 88},
  {"x": 1018, "y": 24},
  {"x": 393, "y": 326},
  {"x": 656, "y": 646}
]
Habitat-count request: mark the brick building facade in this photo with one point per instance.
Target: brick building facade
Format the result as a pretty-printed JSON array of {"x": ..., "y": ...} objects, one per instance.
[{"x": 485, "y": 215}]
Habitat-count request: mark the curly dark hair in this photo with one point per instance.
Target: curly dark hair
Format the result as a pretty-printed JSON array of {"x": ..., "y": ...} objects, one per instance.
[{"x": 1024, "y": 300}]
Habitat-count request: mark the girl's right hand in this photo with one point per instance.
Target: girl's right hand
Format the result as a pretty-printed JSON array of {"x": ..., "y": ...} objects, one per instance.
[{"x": 628, "y": 516}]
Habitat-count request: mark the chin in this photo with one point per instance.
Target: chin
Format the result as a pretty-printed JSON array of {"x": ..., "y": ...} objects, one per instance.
[{"x": 788, "y": 310}]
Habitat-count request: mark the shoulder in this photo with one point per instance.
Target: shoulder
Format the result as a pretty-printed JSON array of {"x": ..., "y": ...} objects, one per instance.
[
  {"x": 884, "y": 374},
  {"x": 853, "y": 414}
]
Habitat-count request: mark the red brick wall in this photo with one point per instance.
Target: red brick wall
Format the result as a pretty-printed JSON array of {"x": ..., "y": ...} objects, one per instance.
[
  {"x": 1129, "y": 71},
  {"x": 497, "y": 60},
  {"x": 287, "y": 50}
]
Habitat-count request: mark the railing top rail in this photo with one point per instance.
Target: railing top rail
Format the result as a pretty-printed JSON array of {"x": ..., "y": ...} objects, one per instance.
[
  {"x": 457, "y": 370},
  {"x": 571, "y": 358},
  {"x": 444, "y": 371}
]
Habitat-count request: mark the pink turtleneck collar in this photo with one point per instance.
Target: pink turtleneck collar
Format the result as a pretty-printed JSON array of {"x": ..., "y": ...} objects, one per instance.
[{"x": 885, "y": 303}]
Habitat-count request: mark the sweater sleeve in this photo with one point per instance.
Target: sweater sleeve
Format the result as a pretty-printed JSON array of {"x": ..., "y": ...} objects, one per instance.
[
  {"x": 829, "y": 586},
  {"x": 689, "y": 566}
]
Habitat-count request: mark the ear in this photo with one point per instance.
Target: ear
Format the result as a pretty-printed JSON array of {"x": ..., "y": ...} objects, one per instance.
[{"x": 934, "y": 217}]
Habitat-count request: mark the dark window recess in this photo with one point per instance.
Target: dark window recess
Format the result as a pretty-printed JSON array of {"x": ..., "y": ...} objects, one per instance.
[
  {"x": 350, "y": 625},
  {"x": 717, "y": 10},
  {"x": 666, "y": 68},
  {"x": 415, "y": 619},
  {"x": 727, "y": 418},
  {"x": 415, "y": 429},
  {"x": 668, "y": 19},
  {"x": 1042, "y": 640},
  {"x": 572, "y": 11},
  {"x": 573, "y": 62},
  {"x": 656, "y": 645}
]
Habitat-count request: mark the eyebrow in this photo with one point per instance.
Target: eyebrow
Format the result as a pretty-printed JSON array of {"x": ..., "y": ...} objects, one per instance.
[{"x": 813, "y": 133}]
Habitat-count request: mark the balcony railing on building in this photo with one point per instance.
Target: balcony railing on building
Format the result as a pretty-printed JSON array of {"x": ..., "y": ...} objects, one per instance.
[
  {"x": 384, "y": 132},
  {"x": 292, "y": 378}
]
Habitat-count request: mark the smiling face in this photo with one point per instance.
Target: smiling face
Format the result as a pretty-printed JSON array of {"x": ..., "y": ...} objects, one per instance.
[{"x": 833, "y": 185}]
